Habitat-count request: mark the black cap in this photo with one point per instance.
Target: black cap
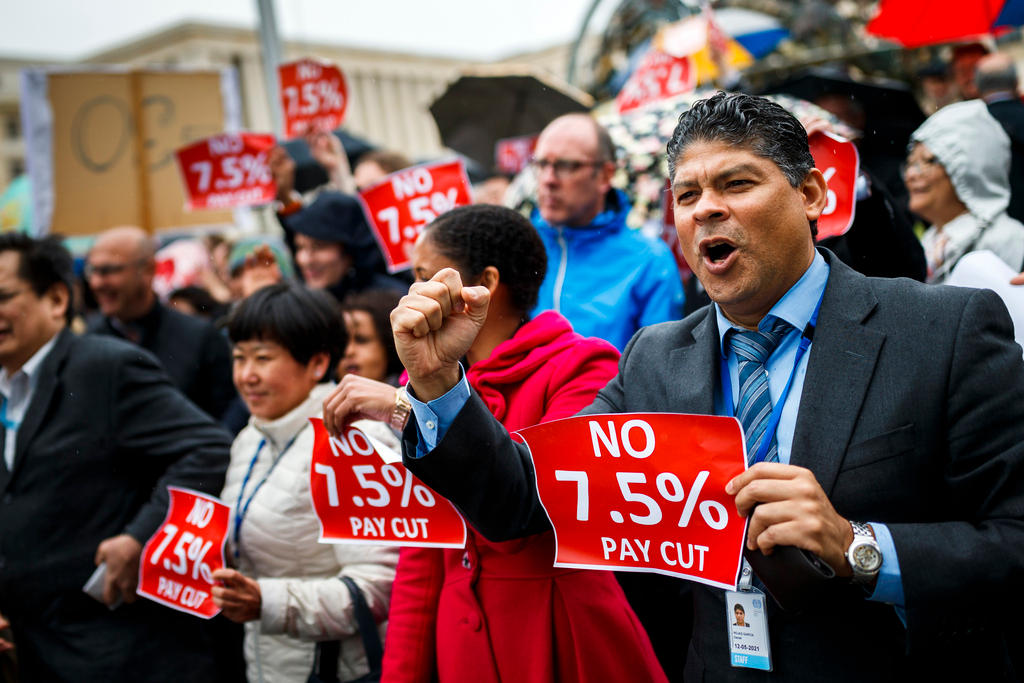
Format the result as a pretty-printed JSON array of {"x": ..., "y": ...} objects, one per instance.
[{"x": 334, "y": 217}]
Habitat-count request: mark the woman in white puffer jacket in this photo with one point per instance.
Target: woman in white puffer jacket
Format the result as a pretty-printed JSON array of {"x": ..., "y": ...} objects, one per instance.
[{"x": 285, "y": 586}]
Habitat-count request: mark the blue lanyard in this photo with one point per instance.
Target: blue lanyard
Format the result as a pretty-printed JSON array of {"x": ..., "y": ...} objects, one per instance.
[
  {"x": 241, "y": 510},
  {"x": 9, "y": 424},
  {"x": 773, "y": 421}
]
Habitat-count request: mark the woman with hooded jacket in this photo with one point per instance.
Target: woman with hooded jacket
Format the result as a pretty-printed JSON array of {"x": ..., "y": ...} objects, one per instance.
[{"x": 957, "y": 175}]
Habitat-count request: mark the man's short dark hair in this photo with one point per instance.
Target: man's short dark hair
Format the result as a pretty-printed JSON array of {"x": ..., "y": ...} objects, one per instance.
[
  {"x": 753, "y": 123},
  {"x": 482, "y": 235},
  {"x": 42, "y": 263},
  {"x": 304, "y": 321}
]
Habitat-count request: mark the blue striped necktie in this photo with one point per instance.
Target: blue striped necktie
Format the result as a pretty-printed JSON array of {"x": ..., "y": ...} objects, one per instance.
[{"x": 753, "y": 348}]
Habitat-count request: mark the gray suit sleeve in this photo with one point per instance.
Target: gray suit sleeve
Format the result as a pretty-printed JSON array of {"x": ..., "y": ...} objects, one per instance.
[{"x": 976, "y": 559}]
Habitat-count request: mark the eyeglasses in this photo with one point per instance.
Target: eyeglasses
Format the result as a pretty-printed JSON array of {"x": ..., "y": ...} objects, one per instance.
[
  {"x": 109, "y": 268},
  {"x": 919, "y": 165},
  {"x": 561, "y": 167}
]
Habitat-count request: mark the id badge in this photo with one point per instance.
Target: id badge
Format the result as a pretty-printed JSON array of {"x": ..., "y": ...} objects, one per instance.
[{"x": 747, "y": 619}]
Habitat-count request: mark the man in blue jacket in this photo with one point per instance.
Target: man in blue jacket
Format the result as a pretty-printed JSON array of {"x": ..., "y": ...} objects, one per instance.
[{"x": 607, "y": 279}]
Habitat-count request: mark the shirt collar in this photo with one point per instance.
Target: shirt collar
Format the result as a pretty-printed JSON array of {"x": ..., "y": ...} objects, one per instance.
[
  {"x": 795, "y": 307},
  {"x": 29, "y": 368}
]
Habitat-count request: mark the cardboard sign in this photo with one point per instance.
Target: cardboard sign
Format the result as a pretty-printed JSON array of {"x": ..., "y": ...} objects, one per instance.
[
  {"x": 643, "y": 492},
  {"x": 839, "y": 161},
  {"x": 100, "y": 144},
  {"x": 400, "y": 205},
  {"x": 314, "y": 94},
  {"x": 178, "y": 561},
  {"x": 511, "y": 155},
  {"x": 658, "y": 77},
  {"x": 227, "y": 170},
  {"x": 359, "y": 498}
]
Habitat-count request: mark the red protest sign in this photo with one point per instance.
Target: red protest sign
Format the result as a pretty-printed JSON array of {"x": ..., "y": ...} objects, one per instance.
[
  {"x": 643, "y": 492},
  {"x": 400, "y": 205},
  {"x": 511, "y": 155},
  {"x": 839, "y": 161},
  {"x": 658, "y": 76},
  {"x": 314, "y": 94},
  {"x": 358, "y": 498},
  {"x": 178, "y": 561},
  {"x": 227, "y": 170}
]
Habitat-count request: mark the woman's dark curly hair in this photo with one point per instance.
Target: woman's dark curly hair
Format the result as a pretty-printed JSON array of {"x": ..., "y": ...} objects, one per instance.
[{"x": 482, "y": 235}]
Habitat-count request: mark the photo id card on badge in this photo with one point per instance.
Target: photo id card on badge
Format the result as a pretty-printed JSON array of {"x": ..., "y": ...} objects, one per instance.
[{"x": 747, "y": 620}]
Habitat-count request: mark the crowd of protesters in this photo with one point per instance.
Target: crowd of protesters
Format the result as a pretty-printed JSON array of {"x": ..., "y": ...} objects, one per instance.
[{"x": 275, "y": 330}]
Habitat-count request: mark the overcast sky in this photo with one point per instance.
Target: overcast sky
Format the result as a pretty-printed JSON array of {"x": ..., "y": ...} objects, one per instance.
[{"x": 478, "y": 29}]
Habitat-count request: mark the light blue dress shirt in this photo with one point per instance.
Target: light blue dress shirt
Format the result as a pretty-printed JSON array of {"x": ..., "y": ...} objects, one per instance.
[{"x": 796, "y": 307}]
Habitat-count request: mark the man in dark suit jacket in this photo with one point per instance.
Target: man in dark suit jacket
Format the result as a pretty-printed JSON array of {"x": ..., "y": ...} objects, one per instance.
[
  {"x": 904, "y": 431},
  {"x": 997, "y": 82},
  {"x": 94, "y": 433},
  {"x": 120, "y": 271}
]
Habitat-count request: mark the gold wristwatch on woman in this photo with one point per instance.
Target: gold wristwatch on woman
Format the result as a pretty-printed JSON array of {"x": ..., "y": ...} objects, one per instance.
[{"x": 400, "y": 413}]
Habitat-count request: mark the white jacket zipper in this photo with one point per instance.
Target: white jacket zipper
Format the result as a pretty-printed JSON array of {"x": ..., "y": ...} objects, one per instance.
[{"x": 560, "y": 278}]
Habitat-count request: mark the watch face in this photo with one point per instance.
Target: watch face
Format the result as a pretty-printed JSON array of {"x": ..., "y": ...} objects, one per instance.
[{"x": 867, "y": 558}]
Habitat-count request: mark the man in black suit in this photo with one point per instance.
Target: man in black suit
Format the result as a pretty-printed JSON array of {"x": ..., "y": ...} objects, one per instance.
[
  {"x": 997, "y": 83},
  {"x": 93, "y": 433},
  {"x": 898, "y": 459},
  {"x": 120, "y": 271}
]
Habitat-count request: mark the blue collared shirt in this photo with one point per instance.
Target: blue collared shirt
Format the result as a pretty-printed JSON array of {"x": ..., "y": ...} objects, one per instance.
[{"x": 795, "y": 307}]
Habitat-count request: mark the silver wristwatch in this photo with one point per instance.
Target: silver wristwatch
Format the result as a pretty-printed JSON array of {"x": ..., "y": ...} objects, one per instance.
[{"x": 864, "y": 555}]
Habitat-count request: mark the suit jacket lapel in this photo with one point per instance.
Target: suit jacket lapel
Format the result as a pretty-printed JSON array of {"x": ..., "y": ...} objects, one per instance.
[
  {"x": 45, "y": 387},
  {"x": 839, "y": 370},
  {"x": 698, "y": 355}
]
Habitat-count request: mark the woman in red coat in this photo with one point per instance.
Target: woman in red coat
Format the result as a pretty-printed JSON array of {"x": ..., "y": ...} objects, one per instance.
[{"x": 500, "y": 611}]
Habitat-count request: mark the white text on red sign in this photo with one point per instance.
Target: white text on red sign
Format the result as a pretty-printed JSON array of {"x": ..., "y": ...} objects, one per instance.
[{"x": 642, "y": 492}]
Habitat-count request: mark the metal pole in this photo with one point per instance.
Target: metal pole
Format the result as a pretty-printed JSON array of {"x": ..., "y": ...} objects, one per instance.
[{"x": 270, "y": 46}]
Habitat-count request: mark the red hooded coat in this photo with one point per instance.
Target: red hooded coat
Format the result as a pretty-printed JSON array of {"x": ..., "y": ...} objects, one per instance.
[{"x": 500, "y": 611}]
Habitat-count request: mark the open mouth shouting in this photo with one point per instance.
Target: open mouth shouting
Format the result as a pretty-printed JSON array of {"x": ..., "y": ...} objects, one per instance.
[{"x": 717, "y": 253}]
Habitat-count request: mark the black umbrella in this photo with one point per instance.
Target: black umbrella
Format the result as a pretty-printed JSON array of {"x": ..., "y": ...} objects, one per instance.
[
  {"x": 488, "y": 104},
  {"x": 889, "y": 106},
  {"x": 310, "y": 174},
  {"x": 891, "y": 114}
]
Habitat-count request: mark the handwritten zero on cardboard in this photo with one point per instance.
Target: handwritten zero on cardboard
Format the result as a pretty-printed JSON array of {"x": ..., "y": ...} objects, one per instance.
[{"x": 643, "y": 492}]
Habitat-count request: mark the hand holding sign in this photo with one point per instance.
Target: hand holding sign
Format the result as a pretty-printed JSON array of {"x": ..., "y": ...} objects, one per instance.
[
  {"x": 358, "y": 498},
  {"x": 399, "y": 206},
  {"x": 238, "y": 596},
  {"x": 642, "y": 492},
  {"x": 179, "y": 560},
  {"x": 787, "y": 507}
]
